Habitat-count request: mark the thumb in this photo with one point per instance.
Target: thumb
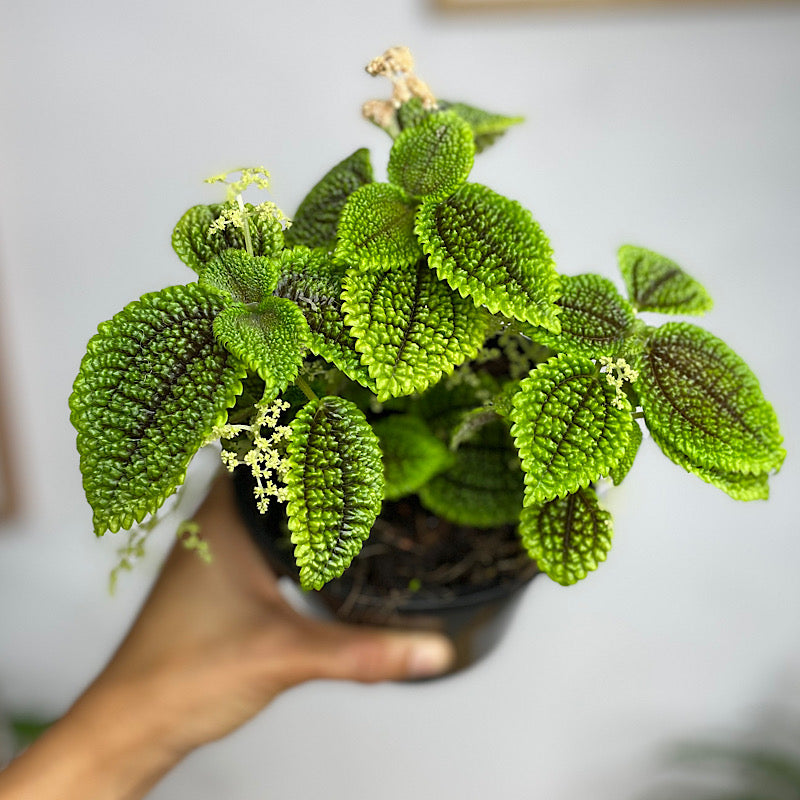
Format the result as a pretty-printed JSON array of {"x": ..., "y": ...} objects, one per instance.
[{"x": 367, "y": 655}]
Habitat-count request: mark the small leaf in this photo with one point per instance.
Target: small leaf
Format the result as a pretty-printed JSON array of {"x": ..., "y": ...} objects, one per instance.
[
  {"x": 377, "y": 228},
  {"x": 412, "y": 455},
  {"x": 594, "y": 318},
  {"x": 433, "y": 158},
  {"x": 567, "y": 428},
  {"x": 409, "y": 327},
  {"x": 309, "y": 279},
  {"x": 657, "y": 284},
  {"x": 196, "y": 244},
  {"x": 316, "y": 220},
  {"x": 243, "y": 278},
  {"x": 334, "y": 487},
  {"x": 618, "y": 473},
  {"x": 486, "y": 126},
  {"x": 489, "y": 248},
  {"x": 701, "y": 399},
  {"x": 153, "y": 384},
  {"x": 484, "y": 487},
  {"x": 567, "y": 537},
  {"x": 270, "y": 338}
]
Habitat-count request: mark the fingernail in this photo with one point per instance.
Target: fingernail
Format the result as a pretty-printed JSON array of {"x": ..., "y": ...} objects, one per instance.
[{"x": 429, "y": 658}]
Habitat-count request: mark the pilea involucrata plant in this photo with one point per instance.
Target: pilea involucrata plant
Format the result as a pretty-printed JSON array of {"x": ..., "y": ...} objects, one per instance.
[{"x": 410, "y": 336}]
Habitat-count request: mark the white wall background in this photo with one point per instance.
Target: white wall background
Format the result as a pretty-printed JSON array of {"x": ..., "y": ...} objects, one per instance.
[{"x": 675, "y": 129}]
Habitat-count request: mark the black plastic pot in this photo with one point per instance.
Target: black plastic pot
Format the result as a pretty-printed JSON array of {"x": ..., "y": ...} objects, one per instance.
[{"x": 473, "y": 618}]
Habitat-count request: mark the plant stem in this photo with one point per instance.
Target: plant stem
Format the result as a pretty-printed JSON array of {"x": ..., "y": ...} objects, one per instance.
[
  {"x": 305, "y": 388},
  {"x": 248, "y": 242}
]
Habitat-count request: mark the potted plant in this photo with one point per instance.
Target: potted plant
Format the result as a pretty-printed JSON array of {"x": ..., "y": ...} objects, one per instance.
[{"x": 403, "y": 360}]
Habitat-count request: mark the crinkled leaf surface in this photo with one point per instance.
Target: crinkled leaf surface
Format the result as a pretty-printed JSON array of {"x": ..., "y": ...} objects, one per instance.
[
  {"x": 334, "y": 487},
  {"x": 594, "y": 318},
  {"x": 410, "y": 328},
  {"x": 270, "y": 338},
  {"x": 317, "y": 218},
  {"x": 153, "y": 384},
  {"x": 196, "y": 244},
  {"x": 243, "y": 278},
  {"x": 655, "y": 283},
  {"x": 568, "y": 537},
  {"x": 484, "y": 486},
  {"x": 412, "y": 455},
  {"x": 376, "y": 228},
  {"x": 433, "y": 158},
  {"x": 702, "y": 400},
  {"x": 618, "y": 473},
  {"x": 486, "y": 126},
  {"x": 566, "y": 427},
  {"x": 309, "y": 279},
  {"x": 489, "y": 248}
]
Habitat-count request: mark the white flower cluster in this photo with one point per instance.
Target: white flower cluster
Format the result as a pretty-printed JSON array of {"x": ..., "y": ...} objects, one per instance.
[{"x": 617, "y": 371}]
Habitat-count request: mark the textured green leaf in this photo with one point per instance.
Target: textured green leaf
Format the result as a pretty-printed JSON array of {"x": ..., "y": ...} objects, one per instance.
[
  {"x": 657, "y": 284},
  {"x": 316, "y": 220},
  {"x": 153, "y": 384},
  {"x": 270, "y": 338},
  {"x": 567, "y": 429},
  {"x": 489, "y": 248},
  {"x": 594, "y": 318},
  {"x": 409, "y": 327},
  {"x": 702, "y": 400},
  {"x": 567, "y": 537},
  {"x": 433, "y": 158},
  {"x": 196, "y": 244},
  {"x": 376, "y": 228},
  {"x": 309, "y": 279},
  {"x": 412, "y": 455},
  {"x": 244, "y": 278},
  {"x": 484, "y": 487},
  {"x": 618, "y": 473},
  {"x": 486, "y": 126},
  {"x": 334, "y": 487}
]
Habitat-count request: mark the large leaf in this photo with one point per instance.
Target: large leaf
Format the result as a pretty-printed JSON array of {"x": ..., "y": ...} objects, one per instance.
[
  {"x": 376, "y": 228},
  {"x": 618, "y": 473},
  {"x": 433, "y": 158},
  {"x": 410, "y": 328},
  {"x": 412, "y": 455},
  {"x": 316, "y": 220},
  {"x": 243, "y": 278},
  {"x": 153, "y": 384},
  {"x": 567, "y": 537},
  {"x": 702, "y": 400},
  {"x": 657, "y": 284},
  {"x": 334, "y": 487},
  {"x": 196, "y": 243},
  {"x": 309, "y": 279},
  {"x": 594, "y": 318},
  {"x": 568, "y": 427},
  {"x": 484, "y": 487},
  {"x": 270, "y": 338},
  {"x": 489, "y": 248}
]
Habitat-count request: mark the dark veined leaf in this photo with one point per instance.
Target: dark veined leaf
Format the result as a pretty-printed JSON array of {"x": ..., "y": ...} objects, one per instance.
[
  {"x": 334, "y": 487},
  {"x": 309, "y": 279},
  {"x": 270, "y": 338},
  {"x": 702, "y": 400},
  {"x": 376, "y": 228},
  {"x": 316, "y": 220},
  {"x": 412, "y": 455},
  {"x": 153, "y": 384},
  {"x": 484, "y": 486},
  {"x": 196, "y": 243},
  {"x": 409, "y": 327},
  {"x": 740, "y": 486},
  {"x": 657, "y": 284},
  {"x": 412, "y": 113},
  {"x": 568, "y": 537},
  {"x": 594, "y": 318},
  {"x": 568, "y": 428},
  {"x": 243, "y": 278},
  {"x": 489, "y": 248},
  {"x": 618, "y": 473},
  {"x": 486, "y": 126},
  {"x": 433, "y": 158}
]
